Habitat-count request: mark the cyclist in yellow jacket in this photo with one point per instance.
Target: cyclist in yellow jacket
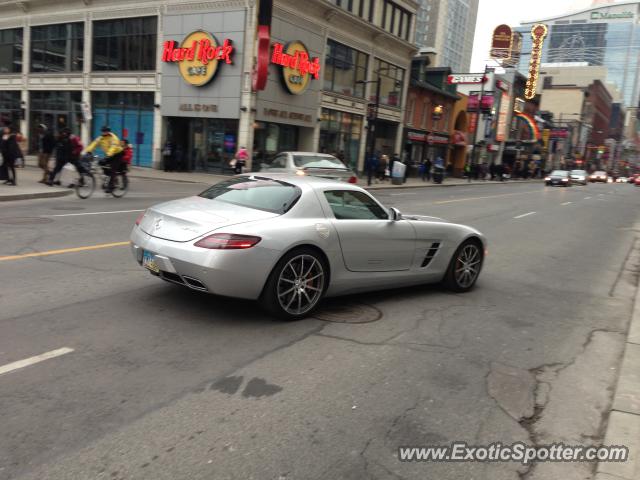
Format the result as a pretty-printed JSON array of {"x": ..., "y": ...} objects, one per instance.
[{"x": 109, "y": 143}]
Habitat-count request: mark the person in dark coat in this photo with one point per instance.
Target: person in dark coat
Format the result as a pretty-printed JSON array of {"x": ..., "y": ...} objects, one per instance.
[
  {"x": 64, "y": 154},
  {"x": 10, "y": 151},
  {"x": 46, "y": 147}
]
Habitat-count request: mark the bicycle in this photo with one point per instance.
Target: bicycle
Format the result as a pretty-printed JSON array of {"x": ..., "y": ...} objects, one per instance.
[{"x": 92, "y": 166}]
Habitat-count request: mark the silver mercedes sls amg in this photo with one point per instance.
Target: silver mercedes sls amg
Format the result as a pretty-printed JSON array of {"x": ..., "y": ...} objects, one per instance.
[{"x": 288, "y": 241}]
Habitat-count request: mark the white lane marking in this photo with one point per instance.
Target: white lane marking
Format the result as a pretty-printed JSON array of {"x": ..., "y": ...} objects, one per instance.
[
  {"x": 33, "y": 360},
  {"x": 587, "y": 198},
  {"x": 566, "y": 203},
  {"x": 601, "y": 194},
  {"x": 399, "y": 194},
  {"x": 93, "y": 213},
  {"x": 525, "y": 215}
]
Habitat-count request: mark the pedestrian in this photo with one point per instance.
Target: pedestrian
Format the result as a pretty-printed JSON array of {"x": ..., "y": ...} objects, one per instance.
[
  {"x": 10, "y": 153},
  {"x": 240, "y": 160},
  {"x": 127, "y": 153},
  {"x": 168, "y": 156},
  {"x": 46, "y": 147},
  {"x": 428, "y": 166},
  {"x": 64, "y": 155},
  {"x": 382, "y": 167}
]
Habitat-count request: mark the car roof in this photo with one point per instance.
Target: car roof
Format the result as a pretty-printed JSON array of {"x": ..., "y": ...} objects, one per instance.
[{"x": 305, "y": 181}]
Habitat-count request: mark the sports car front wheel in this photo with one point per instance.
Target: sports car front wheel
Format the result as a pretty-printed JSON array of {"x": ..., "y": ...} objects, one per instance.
[
  {"x": 296, "y": 285},
  {"x": 465, "y": 267}
]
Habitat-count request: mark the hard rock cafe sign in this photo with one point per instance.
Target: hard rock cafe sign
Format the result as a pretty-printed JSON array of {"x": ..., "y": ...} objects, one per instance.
[
  {"x": 198, "y": 57},
  {"x": 298, "y": 68},
  {"x": 538, "y": 33}
]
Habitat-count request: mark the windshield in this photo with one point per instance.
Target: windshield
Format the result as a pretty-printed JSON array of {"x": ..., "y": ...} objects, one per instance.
[
  {"x": 560, "y": 173},
  {"x": 255, "y": 192},
  {"x": 317, "y": 161}
]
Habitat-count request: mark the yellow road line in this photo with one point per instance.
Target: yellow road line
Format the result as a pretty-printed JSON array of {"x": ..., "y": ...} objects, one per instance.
[
  {"x": 64, "y": 250},
  {"x": 488, "y": 196}
]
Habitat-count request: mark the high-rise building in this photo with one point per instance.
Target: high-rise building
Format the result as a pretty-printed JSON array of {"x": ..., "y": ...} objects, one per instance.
[
  {"x": 448, "y": 26},
  {"x": 603, "y": 35}
]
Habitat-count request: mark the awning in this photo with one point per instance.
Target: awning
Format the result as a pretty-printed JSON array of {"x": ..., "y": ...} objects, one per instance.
[{"x": 459, "y": 138}]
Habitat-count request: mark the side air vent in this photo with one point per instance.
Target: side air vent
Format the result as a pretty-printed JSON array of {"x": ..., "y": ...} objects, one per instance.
[{"x": 430, "y": 254}]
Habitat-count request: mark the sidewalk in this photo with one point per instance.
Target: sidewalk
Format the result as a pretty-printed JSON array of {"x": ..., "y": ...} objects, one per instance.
[
  {"x": 28, "y": 187},
  {"x": 624, "y": 420}
]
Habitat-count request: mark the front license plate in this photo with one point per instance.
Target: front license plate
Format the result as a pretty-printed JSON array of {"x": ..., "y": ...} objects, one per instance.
[{"x": 149, "y": 261}]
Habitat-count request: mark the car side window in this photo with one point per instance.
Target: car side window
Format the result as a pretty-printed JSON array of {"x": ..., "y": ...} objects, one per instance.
[
  {"x": 280, "y": 161},
  {"x": 352, "y": 205}
]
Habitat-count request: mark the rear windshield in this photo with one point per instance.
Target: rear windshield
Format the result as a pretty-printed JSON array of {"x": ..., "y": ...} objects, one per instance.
[
  {"x": 255, "y": 192},
  {"x": 559, "y": 173},
  {"x": 578, "y": 172},
  {"x": 320, "y": 161}
]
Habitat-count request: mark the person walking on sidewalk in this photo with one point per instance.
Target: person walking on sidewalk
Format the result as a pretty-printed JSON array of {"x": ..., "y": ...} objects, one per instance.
[
  {"x": 46, "y": 146},
  {"x": 10, "y": 151}
]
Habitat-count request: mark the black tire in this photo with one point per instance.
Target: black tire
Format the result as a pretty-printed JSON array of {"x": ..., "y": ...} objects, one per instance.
[
  {"x": 86, "y": 185},
  {"x": 452, "y": 279},
  {"x": 286, "y": 285},
  {"x": 121, "y": 186}
]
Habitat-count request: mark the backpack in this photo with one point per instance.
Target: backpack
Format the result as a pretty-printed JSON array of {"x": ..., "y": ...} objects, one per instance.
[{"x": 76, "y": 146}]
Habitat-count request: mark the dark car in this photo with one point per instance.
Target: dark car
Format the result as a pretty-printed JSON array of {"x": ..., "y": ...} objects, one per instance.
[{"x": 558, "y": 177}]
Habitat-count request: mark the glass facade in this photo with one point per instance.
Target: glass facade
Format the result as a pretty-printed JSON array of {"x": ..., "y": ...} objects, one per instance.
[
  {"x": 615, "y": 45},
  {"x": 9, "y": 107},
  {"x": 55, "y": 109},
  {"x": 125, "y": 44},
  {"x": 391, "y": 83},
  {"x": 130, "y": 116},
  {"x": 271, "y": 138},
  {"x": 340, "y": 133},
  {"x": 344, "y": 68},
  {"x": 57, "y": 48},
  {"x": 11, "y": 50}
]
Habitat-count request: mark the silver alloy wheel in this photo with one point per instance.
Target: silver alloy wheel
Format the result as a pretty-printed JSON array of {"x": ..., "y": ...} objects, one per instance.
[
  {"x": 300, "y": 284},
  {"x": 468, "y": 265}
]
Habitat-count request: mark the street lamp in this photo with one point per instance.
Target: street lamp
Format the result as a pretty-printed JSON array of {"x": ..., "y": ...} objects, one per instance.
[{"x": 373, "y": 118}]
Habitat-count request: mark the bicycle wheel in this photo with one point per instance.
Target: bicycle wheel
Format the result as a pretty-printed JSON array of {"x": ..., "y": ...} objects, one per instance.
[
  {"x": 120, "y": 186},
  {"x": 85, "y": 185}
]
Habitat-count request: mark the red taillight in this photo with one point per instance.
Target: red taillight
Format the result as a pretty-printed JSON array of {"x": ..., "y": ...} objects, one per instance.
[
  {"x": 353, "y": 179},
  {"x": 227, "y": 241},
  {"x": 140, "y": 217}
]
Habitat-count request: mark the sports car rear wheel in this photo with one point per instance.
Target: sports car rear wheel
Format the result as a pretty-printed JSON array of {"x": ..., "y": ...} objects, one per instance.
[
  {"x": 296, "y": 285},
  {"x": 465, "y": 267}
]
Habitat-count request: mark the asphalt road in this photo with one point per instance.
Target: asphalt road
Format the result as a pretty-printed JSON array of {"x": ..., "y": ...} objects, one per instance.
[{"x": 159, "y": 382}]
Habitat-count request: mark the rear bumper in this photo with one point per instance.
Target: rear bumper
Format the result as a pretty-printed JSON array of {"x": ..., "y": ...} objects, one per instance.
[{"x": 231, "y": 273}]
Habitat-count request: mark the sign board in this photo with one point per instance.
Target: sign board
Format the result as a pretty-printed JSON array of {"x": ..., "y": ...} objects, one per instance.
[
  {"x": 474, "y": 102},
  {"x": 610, "y": 16},
  {"x": 538, "y": 34},
  {"x": 501, "y": 42},
  {"x": 297, "y": 67},
  {"x": 559, "y": 133},
  {"x": 198, "y": 57},
  {"x": 466, "y": 78},
  {"x": 505, "y": 103}
]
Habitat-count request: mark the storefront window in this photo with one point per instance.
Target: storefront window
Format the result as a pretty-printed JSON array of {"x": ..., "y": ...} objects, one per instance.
[
  {"x": 344, "y": 68},
  {"x": 391, "y": 82},
  {"x": 130, "y": 116},
  {"x": 271, "y": 138},
  {"x": 9, "y": 107},
  {"x": 56, "y": 110},
  {"x": 11, "y": 50},
  {"x": 125, "y": 44},
  {"x": 340, "y": 135},
  {"x": 57, "y": 48}
]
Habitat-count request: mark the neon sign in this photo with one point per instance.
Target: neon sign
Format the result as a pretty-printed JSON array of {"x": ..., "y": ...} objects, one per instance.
[
  {"x": 297, "y": 66},
  {"x": 538, "y": 33}
]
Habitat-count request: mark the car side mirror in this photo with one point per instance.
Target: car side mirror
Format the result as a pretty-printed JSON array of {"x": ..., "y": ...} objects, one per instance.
[{"x": 394, "y": 214}]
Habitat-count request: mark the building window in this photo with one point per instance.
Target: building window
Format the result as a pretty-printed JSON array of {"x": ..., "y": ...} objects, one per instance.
[
  {"x": 391, "y": 82},
  {"x": 411, "y": 105},
  {"x": 57, "y": 48},
  {"x": 344, "y": 68},
  {"x": 55, "y": 109},
  {"x": 395, "y": 19},
  {"x": 11, "y": 50},
  {"x": 125, "y": 44},
  {"x": 9, "y": 107},
  {"x": 130, "y": 116},
  {"x": 340, "y": 135}
]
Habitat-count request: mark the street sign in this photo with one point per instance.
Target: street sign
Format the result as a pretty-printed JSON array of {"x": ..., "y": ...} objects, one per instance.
[{"x": 466, "y": 78}]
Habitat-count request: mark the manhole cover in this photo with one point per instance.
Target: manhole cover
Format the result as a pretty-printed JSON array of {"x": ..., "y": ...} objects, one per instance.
[
  {"x": 69, "y": 208},
  {"x": 350, "y": 312},
  {"x": 25, "y": 220}
]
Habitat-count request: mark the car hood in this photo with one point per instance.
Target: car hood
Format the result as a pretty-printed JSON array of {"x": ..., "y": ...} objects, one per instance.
[{"x": 189, "y": 218}]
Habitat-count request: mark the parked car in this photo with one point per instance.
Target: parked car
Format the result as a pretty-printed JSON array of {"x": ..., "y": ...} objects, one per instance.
[
  {"x": 310, "y": 163},
  {"x": 287, "y": 241},
  {"x": 579, "y": 176},
  {"x": 558, "y": 177},
  {"x": 636, "y": 181},
  {"x": 599, "y": 176}
]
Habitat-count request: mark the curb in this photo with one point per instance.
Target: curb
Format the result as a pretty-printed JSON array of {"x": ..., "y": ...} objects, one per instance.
[
  {"x": 32, "y": 196},
  {"x": 623, "y": 427}
]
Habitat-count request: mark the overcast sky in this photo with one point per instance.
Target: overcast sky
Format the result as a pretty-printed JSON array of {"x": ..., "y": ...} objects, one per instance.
[{"x": 495, "y": 12}]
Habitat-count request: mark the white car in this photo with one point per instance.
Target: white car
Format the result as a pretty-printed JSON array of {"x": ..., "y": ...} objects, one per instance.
[
  {"x": 579, "y": 176},
  {"x": 310, "y": 163}
]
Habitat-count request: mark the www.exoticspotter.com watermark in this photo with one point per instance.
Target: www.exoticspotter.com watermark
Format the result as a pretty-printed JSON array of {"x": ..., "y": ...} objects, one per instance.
[{"x": 515, "y": 452}]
